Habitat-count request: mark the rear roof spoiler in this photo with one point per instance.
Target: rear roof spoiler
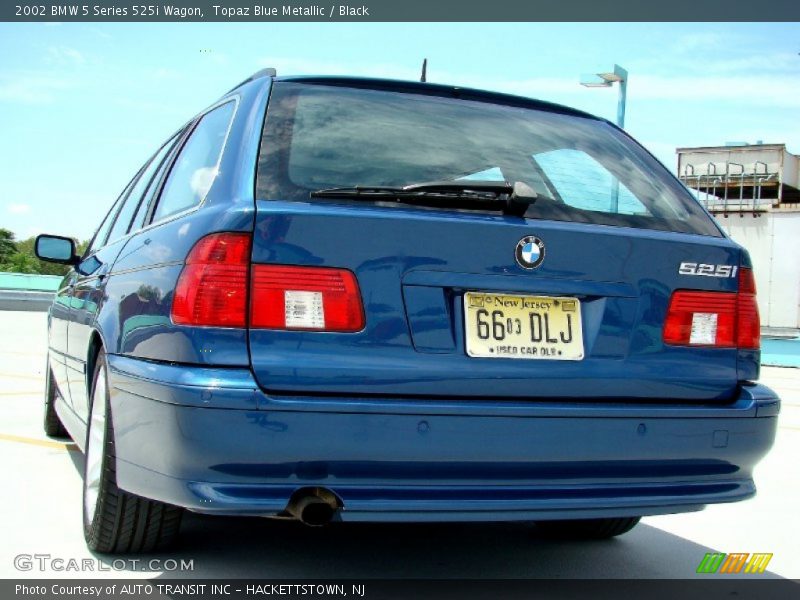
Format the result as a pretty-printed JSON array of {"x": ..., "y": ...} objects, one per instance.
[
  {"x": 426, "y": 88},
  {"x": 436, "y": 89}
]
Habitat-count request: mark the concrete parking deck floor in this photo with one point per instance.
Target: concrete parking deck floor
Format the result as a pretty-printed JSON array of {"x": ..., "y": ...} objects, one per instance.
[{"x": 41, "y": 503}]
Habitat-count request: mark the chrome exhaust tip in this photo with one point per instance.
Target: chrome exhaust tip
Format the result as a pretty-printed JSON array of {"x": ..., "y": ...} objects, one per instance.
[{"x": 314, "y": 507}]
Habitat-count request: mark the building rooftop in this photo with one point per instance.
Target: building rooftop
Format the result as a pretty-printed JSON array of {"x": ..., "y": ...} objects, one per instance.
[{"x": 742, "y": 177}]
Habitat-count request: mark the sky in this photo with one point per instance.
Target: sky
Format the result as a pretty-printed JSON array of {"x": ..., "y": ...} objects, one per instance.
[{"x": 83, "y": 105}]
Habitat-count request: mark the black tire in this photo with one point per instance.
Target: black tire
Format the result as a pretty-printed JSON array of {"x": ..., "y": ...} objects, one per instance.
[
  {"x": 587, "y": 529},
  {"x": 122, "y": 522},
  {"x": 52, "y": 423}
]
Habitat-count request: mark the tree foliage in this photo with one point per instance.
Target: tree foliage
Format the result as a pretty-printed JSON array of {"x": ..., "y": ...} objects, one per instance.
[
  {"x": 19, "y": 257},
  {"x": 7, "y": 247}
]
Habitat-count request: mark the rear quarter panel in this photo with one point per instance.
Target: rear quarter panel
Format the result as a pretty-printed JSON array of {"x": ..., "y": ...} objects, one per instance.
[{"x": 135, "y": 316}]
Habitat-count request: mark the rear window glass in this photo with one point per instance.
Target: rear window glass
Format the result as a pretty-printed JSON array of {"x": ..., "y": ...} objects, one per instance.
[
  {"x": 596, "y": 189},
  {"x": 323, "y": 136}
]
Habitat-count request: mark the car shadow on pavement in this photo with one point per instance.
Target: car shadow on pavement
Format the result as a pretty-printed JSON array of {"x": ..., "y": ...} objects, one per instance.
[{"x": 225, "y": 547}]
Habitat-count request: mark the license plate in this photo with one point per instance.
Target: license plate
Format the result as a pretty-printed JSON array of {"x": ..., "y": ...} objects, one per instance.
[{"x": 512, "y": 326}]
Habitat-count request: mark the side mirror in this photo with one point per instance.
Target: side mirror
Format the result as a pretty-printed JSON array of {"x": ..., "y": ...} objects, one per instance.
[{"x": 57, "y": 249}]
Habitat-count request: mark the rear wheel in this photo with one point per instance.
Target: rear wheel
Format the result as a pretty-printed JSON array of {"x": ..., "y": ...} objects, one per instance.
[
  {"x": 52, "y": 423},
  {"x": 596, "y": 529},
  {"x": 114, "y": 520}
]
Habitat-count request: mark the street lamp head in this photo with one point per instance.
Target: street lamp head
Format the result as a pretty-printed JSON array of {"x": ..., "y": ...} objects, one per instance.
[
  {"x": 594, "y": 80},
  {"x": 610, "y": 77},
  {"x": 607, "y": 79},
  {"x": 618, "y": 75}
]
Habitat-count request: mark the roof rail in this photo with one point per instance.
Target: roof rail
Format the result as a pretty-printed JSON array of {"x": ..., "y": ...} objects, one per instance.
[{"x": 267, "y": 72}]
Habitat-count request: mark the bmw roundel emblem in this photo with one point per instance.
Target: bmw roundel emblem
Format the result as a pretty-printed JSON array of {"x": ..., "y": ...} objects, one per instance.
[{"x": 530, "y": 252}]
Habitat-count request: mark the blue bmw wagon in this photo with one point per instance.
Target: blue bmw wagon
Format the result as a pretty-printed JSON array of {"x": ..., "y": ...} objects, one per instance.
[{"x": 367, "y": 300}]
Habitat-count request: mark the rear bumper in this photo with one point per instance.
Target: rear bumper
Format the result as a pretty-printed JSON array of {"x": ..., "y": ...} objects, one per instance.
[{"x": 211, "y": 441}]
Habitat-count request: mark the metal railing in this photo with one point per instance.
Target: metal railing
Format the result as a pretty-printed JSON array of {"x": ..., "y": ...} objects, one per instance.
[{"x": 737, "y": 190}]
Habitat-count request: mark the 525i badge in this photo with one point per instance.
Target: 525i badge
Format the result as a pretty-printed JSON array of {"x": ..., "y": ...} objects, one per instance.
[{"x": 690, "y": 268}]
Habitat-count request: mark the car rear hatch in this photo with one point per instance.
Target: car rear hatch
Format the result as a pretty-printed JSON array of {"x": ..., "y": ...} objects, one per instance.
[{"x": 568, "y": 300}]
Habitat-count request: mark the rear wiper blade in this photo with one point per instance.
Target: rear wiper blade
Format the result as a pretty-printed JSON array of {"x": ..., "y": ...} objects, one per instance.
[
  {"x": 465, "y": 185},
  {"x": 511, "y": 198},
  {"x": 495, "y": 188}
]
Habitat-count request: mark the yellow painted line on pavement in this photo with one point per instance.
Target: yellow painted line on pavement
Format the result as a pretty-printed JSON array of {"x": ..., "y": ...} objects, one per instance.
[
  {"x": 35, "y": 442},
  {"x": 33, "y": 393}
]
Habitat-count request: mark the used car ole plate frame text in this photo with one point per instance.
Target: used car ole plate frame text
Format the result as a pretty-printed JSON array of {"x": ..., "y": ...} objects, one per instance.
[{"x": 515, "y": 326}]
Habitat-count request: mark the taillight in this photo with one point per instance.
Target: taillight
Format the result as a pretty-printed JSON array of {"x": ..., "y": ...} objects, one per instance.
[
  {"x": 748, "y": 324},
  {"x": 306, "y": 298},
  {"x": 212, "y": 288},
  {"x": 701, "y": 319},
  {"x": 717, "y": 319},
  {"x": 212, "y": 291}
]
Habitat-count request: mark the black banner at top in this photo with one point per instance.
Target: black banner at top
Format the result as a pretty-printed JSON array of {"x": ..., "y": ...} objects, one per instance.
[{"x": 399, "y": 10}]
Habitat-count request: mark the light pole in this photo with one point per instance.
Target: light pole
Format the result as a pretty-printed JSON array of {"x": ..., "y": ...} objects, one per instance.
[{"x": 619, "y": 75}]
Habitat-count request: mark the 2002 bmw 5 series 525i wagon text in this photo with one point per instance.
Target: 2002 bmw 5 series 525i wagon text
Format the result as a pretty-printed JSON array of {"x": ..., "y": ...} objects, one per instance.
[{"x": 367, "y": 300}]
